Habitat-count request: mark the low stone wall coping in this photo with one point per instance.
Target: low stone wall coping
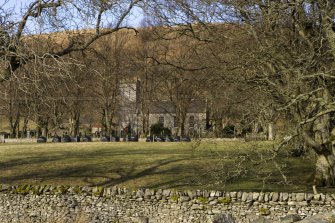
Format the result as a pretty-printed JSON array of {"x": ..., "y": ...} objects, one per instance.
[
  {"x": 206, "y": 196},
  {"x": 39, "y": 203}
]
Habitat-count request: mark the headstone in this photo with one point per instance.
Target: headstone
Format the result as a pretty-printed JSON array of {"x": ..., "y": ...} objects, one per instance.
[
  {"x": 115, "y": 139},
  {"x": 41, "y": 139},
  {"x": 105, "y": 139},
  {"x": 56, "y": 139},
  {"x": 66, "y": 138},
  {"x": 87, "y": 139},
  {"x": 75, "y": 139}
]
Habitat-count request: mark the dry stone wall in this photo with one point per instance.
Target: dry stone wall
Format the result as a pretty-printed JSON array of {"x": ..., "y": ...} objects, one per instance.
[{"x": 47, "y": 203}]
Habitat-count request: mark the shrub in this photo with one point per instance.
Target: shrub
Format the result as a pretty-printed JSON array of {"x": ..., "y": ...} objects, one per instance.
[
  {"x": 228, "y": 130},
  {"x": 159, "y": 129}
]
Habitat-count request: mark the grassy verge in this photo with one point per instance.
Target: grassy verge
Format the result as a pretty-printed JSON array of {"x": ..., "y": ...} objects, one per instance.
[{"x": 220, "y": 166}]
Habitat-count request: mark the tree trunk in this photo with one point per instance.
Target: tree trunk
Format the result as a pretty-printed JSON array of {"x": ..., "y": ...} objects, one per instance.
[
  {"x": 38, "y": 131},
  {"x": 25, "y": 125},
  {"x": 270, "y": 131},
  {"x": 325, "y": 166},
  {"x": 145, "y": 124},
  {"x": 42, "y": 127},
  {"x": 107, "y": 123},
  {"x": 218, "y": 127},
  {"x": 77, "y": 124},
  {"x": 74, "y": 124},
  {"x": 325, "y": 163},
  {"x": 107, "y": 120},
  {"x": 12, "y": 128},
  {"x": 182, "y": 124},
  {"x": 71, "y": 125},
  {"x": 13, "y": 124},
  {"x": 45, "y": 131},
  {"x": 90, "y": 124},
  {"x": 325, "y": 169}
]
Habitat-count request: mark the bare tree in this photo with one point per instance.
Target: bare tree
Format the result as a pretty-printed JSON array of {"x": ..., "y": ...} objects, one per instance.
[
  {"x": 11, "y": 104},
  {"x": 146, "y": 79},
  {"x": 110, "y": 62},
  {"x": 178, "y": 74},
  {"x": 288, "y": 54},
  {"x": 57, "y": 27}
]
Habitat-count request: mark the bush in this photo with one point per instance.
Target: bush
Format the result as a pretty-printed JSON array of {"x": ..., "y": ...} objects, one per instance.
[
  {"x": 159, "y": 129},
  {"x": 228, "y": 130}
]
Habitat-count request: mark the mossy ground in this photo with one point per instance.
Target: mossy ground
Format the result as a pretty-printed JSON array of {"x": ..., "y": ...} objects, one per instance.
[{"x": 208, "y": 165}]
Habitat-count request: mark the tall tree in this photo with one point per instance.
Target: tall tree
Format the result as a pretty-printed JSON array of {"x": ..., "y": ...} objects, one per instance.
[{"x": 110, "y": 62}]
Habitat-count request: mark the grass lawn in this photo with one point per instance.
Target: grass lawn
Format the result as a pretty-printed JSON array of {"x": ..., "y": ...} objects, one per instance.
[{"x": 222, "y": 166}]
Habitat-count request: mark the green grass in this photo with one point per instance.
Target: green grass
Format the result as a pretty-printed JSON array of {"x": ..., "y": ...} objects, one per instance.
[{"x": 220, "y": 166}]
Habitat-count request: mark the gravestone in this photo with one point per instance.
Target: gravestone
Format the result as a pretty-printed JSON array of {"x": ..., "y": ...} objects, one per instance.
[
  {"x": 115, "y": 139},
  {"x": 66, "y": 138},
  {"x": 41, "y": 139},
  {"x": 75, "y": 139},
  {"x": 87, "y": 139},
  {"x": 105, "y": 139},
  {"x": 56, "y": 139}
]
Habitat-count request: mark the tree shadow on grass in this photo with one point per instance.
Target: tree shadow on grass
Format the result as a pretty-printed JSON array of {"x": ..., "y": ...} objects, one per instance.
[
  {"x": 71, "y": 167},
  {"x": 44, "y": 157},
  {"x": 133, "y": 173},
  {"x": 86, "y": 174}
]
